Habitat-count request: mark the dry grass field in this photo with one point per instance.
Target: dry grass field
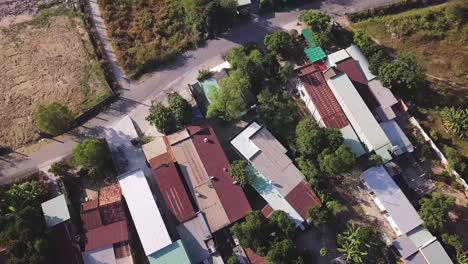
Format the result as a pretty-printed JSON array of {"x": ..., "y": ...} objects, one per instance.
[{"x": 47, "y": 59}]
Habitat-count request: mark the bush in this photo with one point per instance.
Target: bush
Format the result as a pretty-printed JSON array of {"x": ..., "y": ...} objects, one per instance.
[
  {"x": 375, "y": 160},
  {"x": 434, "y": 211},
  {"x": 240, "y": 173},
  {"x": 278, "y": 42},
  {"x": 59, "y": 168},
  {"x": 162, "y": 118},
  {"x": 456, "y": 121},
  {"x": 455, "y": 161},
  {"x": 54, "y": 118},
  {"x": 324, "y": 252},
  {"x": 181, "y": 109},
  {"x": 203, "y": 74},
  {"x": 94, "y": 156}
]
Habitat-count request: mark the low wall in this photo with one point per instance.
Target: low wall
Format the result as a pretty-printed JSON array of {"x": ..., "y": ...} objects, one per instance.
[{"x": 437, "y": 151}]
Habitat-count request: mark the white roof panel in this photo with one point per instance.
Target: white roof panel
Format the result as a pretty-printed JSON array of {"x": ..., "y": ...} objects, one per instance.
[
  {"x": 358, "y": 113},
  {"x": 144, "y": 211},
  {"x": 55, "y": 211},
  {"x": 351, "y": 140},
  {"x": 397, "y": 136},
  {"x": 361, "y": 60},
  {"x": 220, "y": 67},
  {"x": 393, "y": 199},
  {"x": 243, "y": 143},
  {"x": 100, "y": 255},
  {"x": 383, "y": 95},
  {"x": 337, "y": 57}
]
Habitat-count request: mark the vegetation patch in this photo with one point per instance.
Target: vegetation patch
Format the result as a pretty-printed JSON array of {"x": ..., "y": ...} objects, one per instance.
[{"x": 49, "y": 59}]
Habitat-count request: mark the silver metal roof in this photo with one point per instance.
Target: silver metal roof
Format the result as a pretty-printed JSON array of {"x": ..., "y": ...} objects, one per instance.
[
  {"x": 392, "y": 198},
  {"x": 362, "y": 61},
  {"x": 397, "y": 137},
  {"x": 434, "y": 253},
  {"x": 55, "y": 211}
]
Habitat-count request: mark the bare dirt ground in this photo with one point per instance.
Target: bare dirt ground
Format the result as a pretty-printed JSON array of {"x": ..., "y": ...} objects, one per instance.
[{"x": 47, "y": 59}]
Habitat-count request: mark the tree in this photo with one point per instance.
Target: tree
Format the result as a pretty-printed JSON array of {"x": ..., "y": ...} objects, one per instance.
[
  {"x": 278, "y": 42},
  {"x": 54, "y": 118},
  {"x": 324, "y": 252},
  {"x": 340, "y": 161},
  {"x": 162, "y": 118},
  {"x": 335, "y": 207},
  {"x": 278, "y": 113},
  {"x": 181, "y": 109},
  {"x": 403, "y": 75},
  {"x": 311, "y": 139},
  {"x": 365, "y": 43},
  {"x": 456, "y": 121},
  {"x": 237, "y": 57},
  {"x": 360, "y": 244},
  {"x": 59, "y": 168},
  {"x": 285, "y": 226},
  {"x": 253, "y": 233},
  {"x": 283, "y": 252},
  {"x": 308, "y": 168},
  {"x": 434, "y": 211},
  {"x": 455, "y": 162},
  {"x": 375, "y": 160},
  {"x": 94, "y": 156},
  {"x": 286, "y": 73},
  {"x": 232, "y": 260},
  {"x": 320, "y": 216},
  {"x": 453, "y": 241},
  {"x": 376, "y": 60},
  {"x": 239, "y": 171},
  {"x": 226, "y": 101},
  {"x": 316, "y": 20},
  {"x": 23, "y": 194}
]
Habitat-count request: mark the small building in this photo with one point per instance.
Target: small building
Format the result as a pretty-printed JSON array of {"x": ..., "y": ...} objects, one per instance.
[
  {"x": 363, "y": 122},
  {"x": 415, "y": 244},
  {"x": 277, "y": 179},
  {"x": 324, "y": 107},
  {"x": 62, "y": 231}
]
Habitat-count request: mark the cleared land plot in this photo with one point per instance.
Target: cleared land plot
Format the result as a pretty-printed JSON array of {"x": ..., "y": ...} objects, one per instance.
[{"x": 48, "y": 59}]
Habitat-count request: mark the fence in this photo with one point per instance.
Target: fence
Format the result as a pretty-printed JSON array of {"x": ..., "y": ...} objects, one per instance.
[{"x": 437, "y": 151}]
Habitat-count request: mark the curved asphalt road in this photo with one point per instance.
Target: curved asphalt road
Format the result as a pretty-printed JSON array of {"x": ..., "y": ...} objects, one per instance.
[{"x": 137, "y": 96}]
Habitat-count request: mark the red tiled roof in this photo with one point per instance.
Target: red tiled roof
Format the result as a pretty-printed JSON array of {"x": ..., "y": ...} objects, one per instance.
[
  {"x": 232, "y": 197},
  {"x": 62, "y": 237},
  {"x": 110, "y": 194},
  {"x": 112, "y": 213},
  {"x": 301, "y": 198},
  {"x": 267, "y": 211},
  {"x": 161, "y": 159},
  {"x": 322, "y": 97},
  {"x": 174, "y": 194},
  {"x": 106, "y": 235},
  {"x": 254, "y": 258},
  {"x": 91, "y": 219},
  {"x": 89, "y": 205},
  {"x": 355, "y": 74}
]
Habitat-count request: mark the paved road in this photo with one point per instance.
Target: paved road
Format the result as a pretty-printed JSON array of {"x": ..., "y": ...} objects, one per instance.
[{"x": 136, "y": 96}]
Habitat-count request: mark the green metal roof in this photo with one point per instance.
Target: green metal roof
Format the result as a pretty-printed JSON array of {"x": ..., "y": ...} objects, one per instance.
[
  {"x": 174, "y": 253},
  {"x": 309, "y": 36},
  {"x": 315, "y": 54}
]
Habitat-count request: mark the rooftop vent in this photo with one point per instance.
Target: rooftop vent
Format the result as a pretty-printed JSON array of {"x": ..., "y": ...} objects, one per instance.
[
  {"x": 198, "y": 194},
  {"x": 234, "y": 182},
  {"x": 205, "y": 140},
  {"x": 212, "y": 177}
]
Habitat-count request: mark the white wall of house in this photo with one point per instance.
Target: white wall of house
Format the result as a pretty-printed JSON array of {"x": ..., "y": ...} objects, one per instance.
[{"x": 310, "y": 104}]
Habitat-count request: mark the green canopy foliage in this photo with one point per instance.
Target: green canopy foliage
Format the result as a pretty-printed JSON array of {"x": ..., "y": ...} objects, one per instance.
[
  {"x": 434, "y": 211},
  {"x": 253, "y": 233},
  {"x": 181, "y": 109},
  {"x": 360, "y": 244},
  {"x": 27, "y": 193},
  {"x": 94, "y": 156},
  {"x": 285, "y": 228},
  {"x": 162, "y": 118},
  {"x": 311, "y": 139},
  {"x": 284, "y": 252},
  {"x": 278, "y": 42},
  {"x": 54, "y": 118},
  {"x": 316, "y": 20},
  {"x": 240, "y": 172},
  {"x": 340, "y": 161},
  {"x": 456, "y": 121}
]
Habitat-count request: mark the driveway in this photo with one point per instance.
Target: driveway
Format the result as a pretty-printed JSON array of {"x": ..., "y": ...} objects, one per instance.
[{"x": 136, "y": 96}]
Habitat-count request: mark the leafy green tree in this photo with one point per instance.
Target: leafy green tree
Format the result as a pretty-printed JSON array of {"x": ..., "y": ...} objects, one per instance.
[
  {"x": 237, "y": 57},
  {"x": 434, "y": 211},
  {"x": 453, "y": 241},
  {"x": 226, "y": 104},
  {"x": 320, "y": 216},
  {"x": 456, "y": 121},
  {"x": 240, "y": 172},
  {"x": 340, "y": 161},
  {"x": 365, "y": 43},
  {"x": 59, "y": 168},
  {"x": 94, "y": 156},
  {"x": 324, "y": 252},
  {"x": 286, "y": 73},
  {"x": 455, "y": 162},
  {"x": 54, "y": 118},
  {"x": 23, "y": 194},
  {"x": 278, "y": 42},
  {"x": 403, "y": 75},
  {"x": 253, "y": 233},
  {"x": 376, "y": 60},
  {"x": 311, "y": 139},
  {"x": 283, "y": 252},
  {"x": 162, "y": 118},
  {"x": 360, "y": 244},
  {"x": 181, "y": 109},
  {"x": 316, "y": 20},
  {"x": 285, "y": 225},
  {"x": 335, "y": 207},
  {"x": 308, "y": 168},
  {"x": 278, "y": 113},
  {"x": 375, "y": 160}
]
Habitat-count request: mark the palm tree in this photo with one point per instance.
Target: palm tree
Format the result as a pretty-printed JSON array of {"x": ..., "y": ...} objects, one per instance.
[
  {"x": 456, "y": 121},
  {"x": 351, "y": 245}
]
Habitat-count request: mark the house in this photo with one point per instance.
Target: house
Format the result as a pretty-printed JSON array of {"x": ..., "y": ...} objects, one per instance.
[
  {"x": 106, "y": 228},
  {"x": 401, "y": 143},
  {"x": 415, "y": 244},
  {"x": 277, "y": 179},
  {"x": 62, "y": 231},
  {"x": 324, "y": 107},
  {"x": 358, "y": 114}
]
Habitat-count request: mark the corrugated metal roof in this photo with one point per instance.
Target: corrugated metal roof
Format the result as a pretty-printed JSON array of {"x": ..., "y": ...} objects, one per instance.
[
  {"x": 63, "y": 236},
  {"x": 89, "y": 205},
  {"x": 397, "y": 137},
  {"x": 405, "y": 246},
  {"x": 308, "y": 35},
  {"x": 302, "y": 198},
  {"x": 55, "y": 211},
  {"x": 358, "y": 114},
  {"x": 420, "y": 236},
  {"x": 173, "y": 253},
  {"x": 106, "y": 235},
  {"x": 315, "y": 54},
  {"x": 392, "y": 198},
  {"x": 434, "y": 253},
  {"x": 172, "y": 188},
  {"x": 362, "y": 61},
  {"x": 216, "y": 164},
  {"x": 194, "y": 233},
  {"x": 91, "y": 219},
  {"x": 322, "y": 97},
  {"x": 338, "y": 56},
  {"x": 100, "y": 255},
  {"x": 144, "y": 211},
  {"x": 351, "y": 68}
]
